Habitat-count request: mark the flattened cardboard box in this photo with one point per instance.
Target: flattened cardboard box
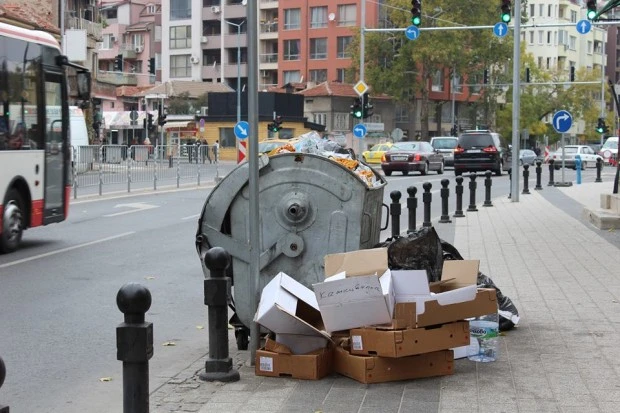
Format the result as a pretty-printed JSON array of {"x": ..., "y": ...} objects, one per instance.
[
  {"x": 374, "y": 369},
  {"x": 408, "y": 342},
  {"x": 485, "y": 302},
  {"x": 276, "y": 360}
]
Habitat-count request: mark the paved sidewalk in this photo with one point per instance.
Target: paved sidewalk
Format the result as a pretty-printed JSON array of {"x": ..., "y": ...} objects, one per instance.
[{"x": 562, "y": 274}]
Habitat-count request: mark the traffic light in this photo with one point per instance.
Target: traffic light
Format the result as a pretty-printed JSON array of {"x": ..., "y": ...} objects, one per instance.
[
  {"x": 161, "y": 116},
  {"x": 367, "y": 108},
  {"x": 357, "y": 109},
  {"x": 454, "y": 130},
  {"x": 591, "y": 5},
  {"x": 601, "y": 127},
  {"x": 118, "y": 63},
  {"x": 527, "y": 75},
  {"x": 149, "y": 121},
  {"x": 485, "y": 76},
  {"x": 416, "y": 12},
  {"x": 506, "y": 6},
  {"x": 572, "y": 73},
  {"x": 152, "y": 65},
  {"x": 276, "y": 125}
]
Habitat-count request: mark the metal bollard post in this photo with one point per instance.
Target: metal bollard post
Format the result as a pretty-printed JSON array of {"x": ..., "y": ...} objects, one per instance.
[
  {"x": 3, "y": 409},
  {"x": 134, "y": 346},
  {"x": 445, "y": 194},
  {"x": 599, "y": 167},
  {"x": 538, "y": 186},
  {"x": 427, "y": 197},
  {"x": 551, "y": 169},
  {"x": 218, "y": 366},
  {"x": 412, "y": 205},
  {"x": 578, "y": 168},
  {"x": 510, "y": 184},
  {"x": 526, "y": 177},
  {"x": 487, "y": 189},
  {"x": 459, "y": 197},
  {"x": 395, "y": 210},
  {"x": 472, "y": 193}
]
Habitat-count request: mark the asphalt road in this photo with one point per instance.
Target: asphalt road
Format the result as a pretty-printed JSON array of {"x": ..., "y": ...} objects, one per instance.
[{"x": 58, "y": 293}]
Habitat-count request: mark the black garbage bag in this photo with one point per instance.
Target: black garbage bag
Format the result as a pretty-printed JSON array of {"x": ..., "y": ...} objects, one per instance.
[{"x": 509, "y": 315}]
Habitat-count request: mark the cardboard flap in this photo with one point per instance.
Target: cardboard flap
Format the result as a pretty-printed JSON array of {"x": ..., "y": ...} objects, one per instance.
[
  {"x": 343, "y": 291},
  {"x": 460, "y": 273},
  {"x": 276, "y": 347},
  {"x": 457, "y": 296},
  {"x": 298, "y": 290},
  {"x": 354, "y": 263},
  {"x": 409, "y": 285}
]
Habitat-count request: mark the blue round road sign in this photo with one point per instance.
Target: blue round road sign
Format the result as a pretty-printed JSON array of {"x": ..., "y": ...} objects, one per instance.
[
  {"x": 242, "y": 130},
  {"x": 500, "y": 29},
  {"x": 583, "y": 26},
  {"x": 562, "y": 121},
  {"x": 412, "y": 32},
  {"x": 359, "y": 131}
]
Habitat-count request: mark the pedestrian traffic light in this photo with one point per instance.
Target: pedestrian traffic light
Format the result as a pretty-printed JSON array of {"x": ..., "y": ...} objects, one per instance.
[
  {"x": 485, "y": 76},
  {"x": 601, "y": 127},
  {"x": 152, "y": 65},
  {"x": 591, "y": 6},
  {"x": 161, "y": 116},
  {"x": 572, "y": 73},
  {"x": 357, "y": 109},
  {"x": 527, "y": 75},
  {"x": 454, "y": 130},
  {"x": 149, "y": 122},
  {"x": 416, "y": 12},
  {"x": 118, "y": 63},
  {"x": 506, "y": 6},
  {"x": 276, "y": 125},
  {"x": 367, "y": 108}
]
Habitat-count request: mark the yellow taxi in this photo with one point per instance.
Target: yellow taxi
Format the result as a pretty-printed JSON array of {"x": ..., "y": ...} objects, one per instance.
[{"x": 376, "y": 152}]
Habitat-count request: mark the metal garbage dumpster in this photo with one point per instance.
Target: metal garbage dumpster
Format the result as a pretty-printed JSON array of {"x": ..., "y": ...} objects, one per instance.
[{"x": 309, "y": 206}]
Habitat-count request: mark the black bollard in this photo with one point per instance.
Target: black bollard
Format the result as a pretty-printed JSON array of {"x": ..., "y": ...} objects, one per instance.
[
  {"x": 487, "y": 189},
  {"x": 551, "y": 170},
  {"x": 445, "y": 194},
  {"x": 218, "y": 366},
  {"x": 599, "y": 167},
  {"x": 427, "y": 197},
  {"x": 472, "y": 193},
  {"x": 526, "y": 177},
  {"x": 3, "y": 409},
  {"x": 538, "y": 186},
  {"x": 395, "y": 210},
  {"x": 510, "y": 184},
  {"x": 134, "y": 346},
  {"x": 459, "y": 197},
  {"x": 412, "y": 205}
]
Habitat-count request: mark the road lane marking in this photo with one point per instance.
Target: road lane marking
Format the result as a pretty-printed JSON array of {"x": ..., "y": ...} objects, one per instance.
[
  {"x": 190, "y": 217},
  {"x": 47, "y": 254},
  {"x": 137, "y": 207}
]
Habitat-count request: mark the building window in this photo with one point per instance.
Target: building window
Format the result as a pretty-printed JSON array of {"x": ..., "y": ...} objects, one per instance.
[
  {"x": 532, "y": 10},
  {"x": 541, "y": 36},
  {"x": 318, "y": 75},
  {"x": 211, "y": 57},
  {"x": 291, "y": 49},
  {"x": 475, "y": 81},
  {"x": 180, "y": 9},
  {"x": 318, "y": 48},
  {"x": 457, "y": 84},
  {"x": 540, "y": 62},
  {"x": 548, "y": 63},
  {"x": 291, "y": 76},
  {"x": 437, "y": 81},
  {"x": 549, "y": 37},
  {"x": 347, "y": 15},
  {"x": 343, "y": 45},
  {"x": 320, "y": 118},
  {"x": 180, "y": 66},
  {"x": 341, "y": 121},
  {"x": 541, "y": 10},
  {"x": 292, "y": 19},
  {"x": 211, "y": 28},
  {"x": 563, "y": 36},
  {"x": 318, "y": 17},
  {"x": 550, "y": 10},
  {"x": 180, "y": 37},
  {"x": 573, "y": 16},
  {"x": 107, "y": 41},
  {"x": 402, "y": 114},
  {"x": 572, "y": 42},
  {"x": 232, "y": 55},
  {"x": 227, "y": 138},
  {"x": 341, "y": 75},
  {"x": 589, "y": 46},
  {"x": 531, "y": 37},
  {"x": 151, "y": 9}
]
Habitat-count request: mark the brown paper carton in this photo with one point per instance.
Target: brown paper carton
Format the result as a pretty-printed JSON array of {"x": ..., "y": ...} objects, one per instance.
[{"x": 277, "y": 360}]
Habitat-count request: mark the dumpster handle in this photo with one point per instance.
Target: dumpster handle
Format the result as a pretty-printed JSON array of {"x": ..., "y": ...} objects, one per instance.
[{"x": 387, "y": 217}]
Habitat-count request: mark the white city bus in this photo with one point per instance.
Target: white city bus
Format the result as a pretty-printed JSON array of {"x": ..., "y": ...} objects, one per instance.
[{"x": 34, "y": 131}]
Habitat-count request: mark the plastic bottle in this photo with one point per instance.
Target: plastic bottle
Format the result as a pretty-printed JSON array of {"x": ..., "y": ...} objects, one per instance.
[{"x": 484, "y": 338}]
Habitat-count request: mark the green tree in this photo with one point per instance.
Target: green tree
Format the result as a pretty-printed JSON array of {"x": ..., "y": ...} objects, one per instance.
[{"x": 185, "y": 104}]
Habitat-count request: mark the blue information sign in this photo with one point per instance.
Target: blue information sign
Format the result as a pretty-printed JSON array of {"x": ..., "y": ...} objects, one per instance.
[
  {"x": 584, "y": 26},
  {"x": 412, "y": 32},
  {"x": 242, "y": 130},
  {"x": 500, "y": 29},
  {"x": 562, "y": 121},
  {"x": 359, "y": 131}
]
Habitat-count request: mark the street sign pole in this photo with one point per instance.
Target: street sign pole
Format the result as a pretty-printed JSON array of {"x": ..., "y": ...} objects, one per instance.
[
  {"x": 360, "y": 144},
  {"x": 516, "y": 101}
]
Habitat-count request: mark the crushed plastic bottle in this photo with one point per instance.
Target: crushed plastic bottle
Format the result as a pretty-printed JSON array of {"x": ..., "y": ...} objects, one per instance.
[{"x": 484, "y": 338}]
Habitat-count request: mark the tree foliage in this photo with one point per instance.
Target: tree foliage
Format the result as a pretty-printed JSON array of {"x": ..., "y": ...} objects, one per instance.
[{"x": 184, "y": 104}]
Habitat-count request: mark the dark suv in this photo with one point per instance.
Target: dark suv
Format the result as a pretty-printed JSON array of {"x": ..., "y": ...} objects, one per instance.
[{"x": 481, "y": 150}]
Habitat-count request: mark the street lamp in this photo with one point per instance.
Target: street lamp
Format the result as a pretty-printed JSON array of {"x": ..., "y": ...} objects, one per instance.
[{"x": 238, "y": 26}]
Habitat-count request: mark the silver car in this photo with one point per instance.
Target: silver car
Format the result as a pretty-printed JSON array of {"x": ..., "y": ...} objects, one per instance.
[
  {"x": 445, "y": 145},
  {"x": 527, "y": 157}
]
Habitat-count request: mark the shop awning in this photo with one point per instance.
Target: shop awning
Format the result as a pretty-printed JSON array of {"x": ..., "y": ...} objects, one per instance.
[{"x": 180, "y": 125}]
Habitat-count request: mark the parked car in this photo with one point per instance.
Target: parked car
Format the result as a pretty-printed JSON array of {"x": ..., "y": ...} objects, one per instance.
[
  {"x": 375, "y": 153},
  {"x": 587, "y": 155},
  {"x": 527, "y": 157},
  {"x": 412, "y": 156},
  {"x": 609, "y": 150},
  {"x": 481, "y": 150},
  {"x": 445, "y": 145}
]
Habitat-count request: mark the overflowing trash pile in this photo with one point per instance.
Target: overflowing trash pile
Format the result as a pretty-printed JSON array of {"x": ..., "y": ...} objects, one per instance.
[
  {"x": 370, "y": 322},
  {"x": 312, "y": 143}
]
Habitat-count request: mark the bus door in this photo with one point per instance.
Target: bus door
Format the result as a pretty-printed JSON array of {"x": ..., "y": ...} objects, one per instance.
[{"x": 56, "y": 141}]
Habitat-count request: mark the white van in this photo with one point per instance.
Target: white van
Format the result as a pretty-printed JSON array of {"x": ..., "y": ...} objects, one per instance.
[
  {"x": 609, "y": 150},
  {"x": 82, "y": 155}
]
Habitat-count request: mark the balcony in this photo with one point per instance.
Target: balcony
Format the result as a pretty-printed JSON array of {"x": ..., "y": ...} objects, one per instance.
[
  {"x": 118, "y": 78},
  {"x": 130, "y": 51},
  {"x": 93, "y": 30},
  {"x": 268, "y": 58}
]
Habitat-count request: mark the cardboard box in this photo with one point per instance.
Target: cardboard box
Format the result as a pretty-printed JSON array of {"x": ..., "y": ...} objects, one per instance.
[
  {"x": 373, "y": 369},
  {"x": 408, "y": 342},
  {"x": 288, "y": 307},
  {"x": 302, "y": 344},
  {"x": 277, "y": 360},
  {"x": 357, "y": 291}
]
